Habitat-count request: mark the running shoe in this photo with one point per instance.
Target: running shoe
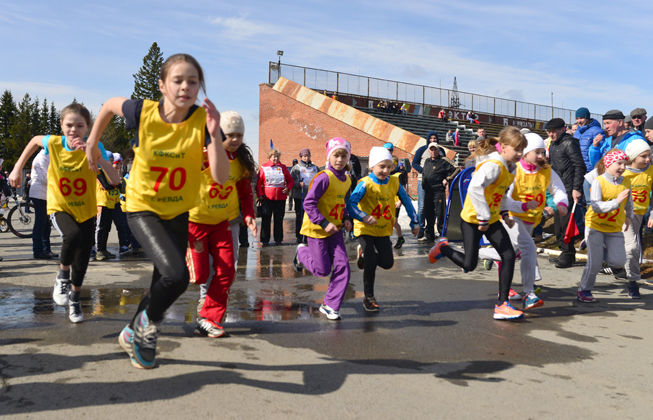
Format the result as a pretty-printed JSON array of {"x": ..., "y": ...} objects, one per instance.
[
  {"x": 370, "y": 304},
  {"x": 104, "y": 255},
  {"x": 360, "y": 262},
  {"x": 487, "y": 264},
  {"x": 75, "y": 313},
  {"x": 606, "y": 271},
  {"x": 206, "y": 327},
  {"x": 295, "y": 262},
  {"x": 633, "y": 290},
  {"x": 532, "y": 301},
  {"x": 436, "y": 252},
  {"x": 400, "y": 242},
  {"x": 513, "y": 295},
  {"x": 60, "y": 292},
  {"x": 330, "y": 313},
  {"x": 146, "y": 333},
  {"x": 126, "y": 338},
  {"x": 585, "y": 296},
  {"x": 124, "y": 250},
  {"x": 507, "y": 311}
]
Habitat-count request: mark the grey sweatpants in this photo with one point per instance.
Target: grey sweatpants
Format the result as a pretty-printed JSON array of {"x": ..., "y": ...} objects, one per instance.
[
  {"x": 601, "y": 246},
  {"x": 633, "y": 248}
]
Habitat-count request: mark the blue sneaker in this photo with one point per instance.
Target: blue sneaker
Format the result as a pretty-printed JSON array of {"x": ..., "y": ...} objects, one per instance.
[
  {"x": 585, "y": 296},
  {"x": 146, "y": 333},
  {"x": 126, "y": 338},
  {"x": 531, "y": 301}
]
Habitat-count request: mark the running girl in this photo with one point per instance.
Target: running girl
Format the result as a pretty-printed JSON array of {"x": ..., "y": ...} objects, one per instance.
[
  {"x": 483, "y": 207},
  {"x": 164, "y": 185},
  {"x": 71, "y": 200},
  {"x": 372, "y": 204},
  {"x": 611, "y": 207},
  {"x": 324, "y": 211}
]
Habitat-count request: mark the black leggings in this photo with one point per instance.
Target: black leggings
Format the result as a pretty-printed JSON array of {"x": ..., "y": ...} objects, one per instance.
[
  {"x": 77, "y": 244},
  {"x": 164, "y": 242},
  {"x": 499, "y": 239},
  {"x": 377, "y": 251}
]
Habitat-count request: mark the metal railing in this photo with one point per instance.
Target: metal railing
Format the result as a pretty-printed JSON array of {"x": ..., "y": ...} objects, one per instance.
[{"x": 371, "y": 87}]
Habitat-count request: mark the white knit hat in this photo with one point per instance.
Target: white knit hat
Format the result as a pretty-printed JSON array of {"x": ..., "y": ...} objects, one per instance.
[
  {"x": 232, "y": 122},
  {"x": 636, "y": 148},
  {"x": 379, "y": 154},
  {"x": 534, "y": 142}
]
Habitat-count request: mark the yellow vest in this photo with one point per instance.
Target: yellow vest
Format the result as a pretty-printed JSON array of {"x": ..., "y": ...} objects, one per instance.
[
  {"x": 493, "y": 195},
  {"x": 218, "y": 202},
  {"x": 71, "y": 184},
  {"x": 378, "y": 201},
  {"x": 611, "y": 221},
  {"x": 166, "y": 174},
  {"x": 641, "y": 186},
  {"x": 331, "y": 205},
  {"x": 530, "y": 187},
  {"x": 107, "y": 198}
]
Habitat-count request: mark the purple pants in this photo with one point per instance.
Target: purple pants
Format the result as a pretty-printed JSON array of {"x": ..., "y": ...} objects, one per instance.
[{"x": 318, "y": 258}]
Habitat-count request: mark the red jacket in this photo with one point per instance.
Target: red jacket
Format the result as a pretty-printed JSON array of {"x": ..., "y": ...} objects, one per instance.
[{"x": 272, "y": 179}]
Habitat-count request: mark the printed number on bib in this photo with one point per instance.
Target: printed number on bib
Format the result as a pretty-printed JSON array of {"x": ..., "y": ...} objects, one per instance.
[
  {"x": 176, "y": 179},
  {"x": 496, "y": 200},
  {"x": 77, "y": 187},
  {"x": 612, "y": 218},
  {"x": 387, "y": 212},
  {"x": 337, "y": 214},
  {"x": 640, "y": 196},
  {"x": 217, "y": 190},
  {"x": 539, "y": 198}
]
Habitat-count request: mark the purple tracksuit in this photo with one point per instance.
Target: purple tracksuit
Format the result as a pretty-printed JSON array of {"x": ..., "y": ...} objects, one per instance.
[{"x": 323, "y": 253}]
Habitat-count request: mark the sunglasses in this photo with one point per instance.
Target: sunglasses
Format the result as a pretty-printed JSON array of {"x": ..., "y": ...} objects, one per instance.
[{"x": 637, "y": 117}]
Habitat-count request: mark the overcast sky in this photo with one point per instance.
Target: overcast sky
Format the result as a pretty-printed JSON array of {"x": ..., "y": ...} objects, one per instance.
[{"x": 589, "y": 54}]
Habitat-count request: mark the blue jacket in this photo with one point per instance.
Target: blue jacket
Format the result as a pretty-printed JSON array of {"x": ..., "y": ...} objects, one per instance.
[
  {"x": 585, "y": 136},
  {"x": 596, "y": 153}
]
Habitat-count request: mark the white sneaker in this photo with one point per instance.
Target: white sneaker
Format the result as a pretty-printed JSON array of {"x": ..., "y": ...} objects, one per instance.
[
  {"x": 60, "y": 292},
  {"x": 330, "y": 313},
  {"x": 75, "y": 313}
]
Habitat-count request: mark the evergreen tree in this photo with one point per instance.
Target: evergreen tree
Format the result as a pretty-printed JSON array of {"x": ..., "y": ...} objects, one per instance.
[
  {"x": 45, "y": 118},
  {"x": 146, "y": 80},
  {"x": 20, "y": 132},
  {"x": 35, "y": 118},
  {"x": 7, "y": 117},
  {"x": 54, "y": 126}
]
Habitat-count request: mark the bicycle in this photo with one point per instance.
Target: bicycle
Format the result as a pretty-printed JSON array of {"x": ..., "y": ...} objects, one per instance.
[{"x": 19, "y": 220}]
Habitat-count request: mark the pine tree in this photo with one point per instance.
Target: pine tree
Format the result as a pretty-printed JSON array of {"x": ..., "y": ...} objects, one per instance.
[
  {"x": 7, "y": 117},
  {"x": 54, "y": 126},
  {"x": 45, "y": 118},
  {"x": 146, "y": 80},
  {"x": 35, "y": 118},
  {"x": 20, "y": 132}
]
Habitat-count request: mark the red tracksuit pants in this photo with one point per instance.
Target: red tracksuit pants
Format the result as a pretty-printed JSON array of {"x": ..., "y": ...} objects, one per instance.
[{"x": 216, "y": 241}]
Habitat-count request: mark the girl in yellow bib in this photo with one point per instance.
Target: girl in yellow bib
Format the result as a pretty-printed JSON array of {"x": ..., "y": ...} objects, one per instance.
[
  {"x": 324, "y": 216},
  {"x": 640, "y": 174},
  {"x": 71, "y": 201},
  {"x": 372, "y": 204},
  {"x": 611, "y": 207},
  {"x": 164, "y": 184},
  {"x": 483, "y": 207}
]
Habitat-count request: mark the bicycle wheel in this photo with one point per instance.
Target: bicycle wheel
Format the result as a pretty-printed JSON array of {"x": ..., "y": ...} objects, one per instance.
[{"x": 21, "y": 222}]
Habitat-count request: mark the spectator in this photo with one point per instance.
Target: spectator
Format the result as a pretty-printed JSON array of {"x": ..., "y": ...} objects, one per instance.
[
  {"x": 456, "y": 137},
  {"x": 638, "y": 116},
  {"x": 648, "y": 130},
  {"x": 572, "y": 129},
  {"x": 588, "y": 128},
  {"x": 442, "y": 115},
  {"x": 449, "y": 137},
  {"x": 302, "y": 174},
  {"x": 628, "y": 122},
  {"x": 469, "y": 117},
  {"x": 480, "y": 134},
  {"x": 418, "y": 164},
  {"x": 469, "y": 160},
  {"x": 618, "y": 136},
  {"x": 567, "y": 162},
  {"x": 295, "y": 187},
  {"x": 404, "y": 109},
  {"x": 38, "y": 190},
  {"x": 437, "y": 172},
  {"x": 272, "y": 187}
]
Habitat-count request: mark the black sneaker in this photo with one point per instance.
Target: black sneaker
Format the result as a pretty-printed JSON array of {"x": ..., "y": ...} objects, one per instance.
[
  {"x": 619, "y": 273},
  {"x": 102, "y": 255},
  {"x": 400, "y": 242},
  {"x": 370, "y": 305},
  {"x": 633, "y": 290}
]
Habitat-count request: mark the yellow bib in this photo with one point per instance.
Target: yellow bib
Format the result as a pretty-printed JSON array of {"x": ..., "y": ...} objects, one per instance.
[
  {"x": 107, "y": 198},
  {"x": 611, "y": 221},
  {"x": 493, "y": 195},
  {"x": 530, "y": 187},
  {"x": 71, "y": 184},
  {"x": 166, "y": 174},
  {"x": 331, "y": 205},
  {"x": 641, "y": 185},
  {"x": 378, "y": 201},
  {"x": 218, "y": 202}
]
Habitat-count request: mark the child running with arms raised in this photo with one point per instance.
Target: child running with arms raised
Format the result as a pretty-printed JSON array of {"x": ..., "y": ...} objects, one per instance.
[
  {"x": 483, "y": 206},
  {"x": 324, "y": 211},
  {"x": 611, "y": 207},
  {"x": 164, "y": 185},
  {"x": 71, "y": 199},
  {"x": 372, "y": 204}
]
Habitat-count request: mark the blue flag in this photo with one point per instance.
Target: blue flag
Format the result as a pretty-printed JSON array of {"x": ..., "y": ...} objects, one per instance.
[{"x": 271, "y": 144}]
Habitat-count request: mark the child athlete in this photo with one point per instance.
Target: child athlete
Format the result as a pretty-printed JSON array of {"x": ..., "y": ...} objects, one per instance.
[
  {"x": 483, "y": 207},
  {"x": 611, "y": 207},
  {"x": 640, "y": 174},
  {"x": 372, "y": 204},
  {"x": 164, "y": 185},
  {"x": 71, "y": 201},
  {"x": 213, "y": 227},
  {"x": 324, "y": 211}
]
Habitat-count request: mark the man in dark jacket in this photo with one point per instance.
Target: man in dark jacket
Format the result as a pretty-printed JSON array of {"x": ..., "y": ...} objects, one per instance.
[
  {"x": 437, "y": 173},
  {"x": 567, "y": 160},
  {"x": 418, "y": 162}
]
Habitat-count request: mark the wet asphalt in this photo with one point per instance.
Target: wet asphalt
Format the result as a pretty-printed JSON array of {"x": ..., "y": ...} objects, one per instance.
[{"x": 433, "y": 346}]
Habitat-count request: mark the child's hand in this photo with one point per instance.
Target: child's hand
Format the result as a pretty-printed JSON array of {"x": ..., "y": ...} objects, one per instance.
[
  {"x": 369, "y": 220},
  {"x": 212, "y": 118},
  {"x": 532, "y": 205},
  {"x": 626, "y": 224},
  {"x": 562, "y": 210},
  {"x": 415, "y": 231},
  {"x": 93, "y": 157},
  {"x": 483, "y": 228},
  {"x": 650, "y": 223},
  {"x": 331, "y": 229},
  {"x": 250, "y": 222},
  {"x": 15, "y": 178},
  {"x": 348, "y": 225},
  {"x": 622, "y": 196},
  {"x": 398, "y": 204}
]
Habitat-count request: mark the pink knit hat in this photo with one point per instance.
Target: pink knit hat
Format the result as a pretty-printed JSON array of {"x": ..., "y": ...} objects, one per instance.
[
  {"x": 614, "y": 156},
  {"x": 335, "y": 144}
]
